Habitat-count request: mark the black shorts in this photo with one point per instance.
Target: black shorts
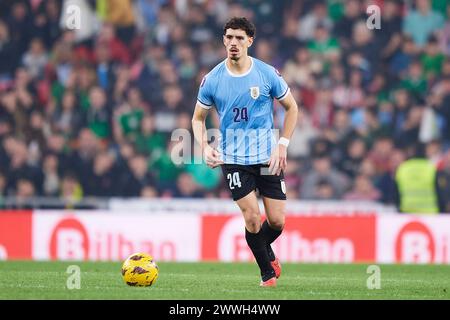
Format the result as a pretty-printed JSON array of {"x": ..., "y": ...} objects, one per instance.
[{"x": 243, "y": 179}]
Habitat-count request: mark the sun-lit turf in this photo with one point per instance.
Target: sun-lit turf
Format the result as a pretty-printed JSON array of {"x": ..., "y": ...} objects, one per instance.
[{"x": 100, "y": 280}]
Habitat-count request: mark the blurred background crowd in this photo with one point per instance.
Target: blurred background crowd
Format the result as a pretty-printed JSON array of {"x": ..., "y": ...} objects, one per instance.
[{"x": 90, "y": 112}]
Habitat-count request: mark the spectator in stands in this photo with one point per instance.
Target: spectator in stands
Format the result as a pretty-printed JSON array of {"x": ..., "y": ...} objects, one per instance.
[
  {"x": 35, "y": 58},
  {"x": 299, "y": 68},
  {"x": 34, "y": 133},
  {"x": 340, "y": 131},
  {"x": 381, "y": 153},
  {"x": 441, "y": 103},
  {"x": 422, "y": 22},
  {"x": 389, "y": 36},
  {"x": 67, "y": 118},
  {"x": 120, "y": 14},
  {"x": 103, "y": 179},
  {"x": 324, "y": 48},
  {"x": 317, "y": 16},
  {"x": 149, "y": 141},
  {"x": 324, "y": 191},
  {"x": 363, "y": 52},
  {"x": 98, "y": 115},
  {"x": 409, "y": 133},
  {"x": 25, "y": 191},
  {"x": 71, "y": 190},
  {"x": 302, "y": 137},
  {"x": 414, "y": 81},
  {"x": 444, "y": 34},
  {"x": 51, "y": 171},
  {"x": 149, "y": 192},
  {"x": 166, "y": 114},
  {"x": 363, "y": 190},
  {"x": 354, "y": 155},
  {"x": 186, "y": 187},
  {"x": 402, "y": 58},
  {"x": 47, "y": 22},
  {"x": 8, "y": 51},
  {"x": 322, "y": 170},
  {"x": 83, "y": 156},
  {"x": 138, "y": 176},
  {"x": 386, "y": 183},
  {"x": 344, "y": 27},
  {"x": 432, "y": 59}
]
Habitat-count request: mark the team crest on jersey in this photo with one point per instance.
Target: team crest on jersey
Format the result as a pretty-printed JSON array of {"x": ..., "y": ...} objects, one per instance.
[{"x": 254, "y": 92}]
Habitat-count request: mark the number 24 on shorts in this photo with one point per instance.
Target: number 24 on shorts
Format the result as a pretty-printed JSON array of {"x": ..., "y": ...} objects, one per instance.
[{"x": 234, "y": 180}]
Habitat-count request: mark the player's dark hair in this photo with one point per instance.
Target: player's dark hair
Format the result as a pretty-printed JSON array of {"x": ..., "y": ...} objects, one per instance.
[{"x": 241, "y": 23}]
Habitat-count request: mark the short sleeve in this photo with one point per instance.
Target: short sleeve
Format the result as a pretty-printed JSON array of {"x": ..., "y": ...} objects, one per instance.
[
  {"x": 204, "y": 96},
  {"x": 279, "y": 89}
]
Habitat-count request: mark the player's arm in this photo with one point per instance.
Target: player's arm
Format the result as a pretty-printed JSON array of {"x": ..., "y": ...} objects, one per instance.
[
  {"x": 212, "y": 156},
  {"x": 278, "y": 159}
]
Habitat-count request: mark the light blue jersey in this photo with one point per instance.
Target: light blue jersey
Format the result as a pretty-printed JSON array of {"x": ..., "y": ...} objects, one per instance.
[{"x": 245, "y": 106}]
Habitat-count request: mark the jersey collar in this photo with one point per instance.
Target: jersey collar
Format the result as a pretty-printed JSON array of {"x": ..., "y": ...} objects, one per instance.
[{"x": 239, "y": 75}]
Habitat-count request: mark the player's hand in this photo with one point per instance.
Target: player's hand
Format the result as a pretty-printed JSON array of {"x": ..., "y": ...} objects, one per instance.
[
  {"x": 278, "y": 160},
  {"x": 212, "y": 157}
]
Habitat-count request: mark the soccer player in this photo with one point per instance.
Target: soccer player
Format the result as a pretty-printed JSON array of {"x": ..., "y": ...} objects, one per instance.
[{"x": 242, "y": 90}]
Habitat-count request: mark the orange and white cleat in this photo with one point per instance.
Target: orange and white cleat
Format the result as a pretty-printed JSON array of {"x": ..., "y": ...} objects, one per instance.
[
  {"x": 276, "y": 265},
  {"x": 272, "y": 282}
]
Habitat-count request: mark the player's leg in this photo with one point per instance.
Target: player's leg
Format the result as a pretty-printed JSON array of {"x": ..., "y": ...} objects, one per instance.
[
  {"x": 273, "y": 192},
  {"x": 275, "y": 213},
  {"x": 272, "y": 228},
  {"x": 252, "y": 216},
  {"x": 250, "y": 211},
  {"x": 242, "y": 183}
]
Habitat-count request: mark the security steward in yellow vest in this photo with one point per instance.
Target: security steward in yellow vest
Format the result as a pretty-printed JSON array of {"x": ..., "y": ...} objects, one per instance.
[{"x": 417, "y": 186}]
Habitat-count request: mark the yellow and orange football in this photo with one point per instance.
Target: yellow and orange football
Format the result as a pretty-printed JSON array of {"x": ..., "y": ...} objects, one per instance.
[{"x": 140, "y": 270}]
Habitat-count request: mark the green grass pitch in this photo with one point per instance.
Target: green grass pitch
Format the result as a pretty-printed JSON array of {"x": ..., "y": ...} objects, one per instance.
[{"x": 222, "y": 281}]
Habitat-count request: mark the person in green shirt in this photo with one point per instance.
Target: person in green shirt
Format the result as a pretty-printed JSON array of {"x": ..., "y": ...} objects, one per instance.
[
  {"x": 322, "y": 43},
  {"x": 324, "y": 48},
  {"x": 415, "y": 81},
  {"x": 432, "y": 59},
  {"x": 148, "y": 140},
  {"x": 440, "y": 6},
  {"x": 335, "y": 9},
  {"x": 130, "y": 121},
  {"x": 98, "y": 115},
  {"x": 132, "y": 112},
  {"x": 165, "y": 170}
]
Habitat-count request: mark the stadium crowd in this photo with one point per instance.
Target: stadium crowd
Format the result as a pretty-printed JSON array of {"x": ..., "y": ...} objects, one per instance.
[{"x": 90, "y": 111}]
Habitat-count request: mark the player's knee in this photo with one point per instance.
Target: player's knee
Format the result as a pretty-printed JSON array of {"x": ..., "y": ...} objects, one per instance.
[
  {"x": 252, "y": 220},
  {"x": 277, "y": 223}
]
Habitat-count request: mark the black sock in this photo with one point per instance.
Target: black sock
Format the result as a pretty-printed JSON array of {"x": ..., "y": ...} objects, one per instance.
[
  {"x": 269, "y": 235},
  {"x": 258, "y": 247},
  {"x": 270, "y": 252}
]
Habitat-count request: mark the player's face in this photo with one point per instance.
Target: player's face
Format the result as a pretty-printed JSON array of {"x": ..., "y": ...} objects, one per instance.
[{"x": 237, "y": 43}]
